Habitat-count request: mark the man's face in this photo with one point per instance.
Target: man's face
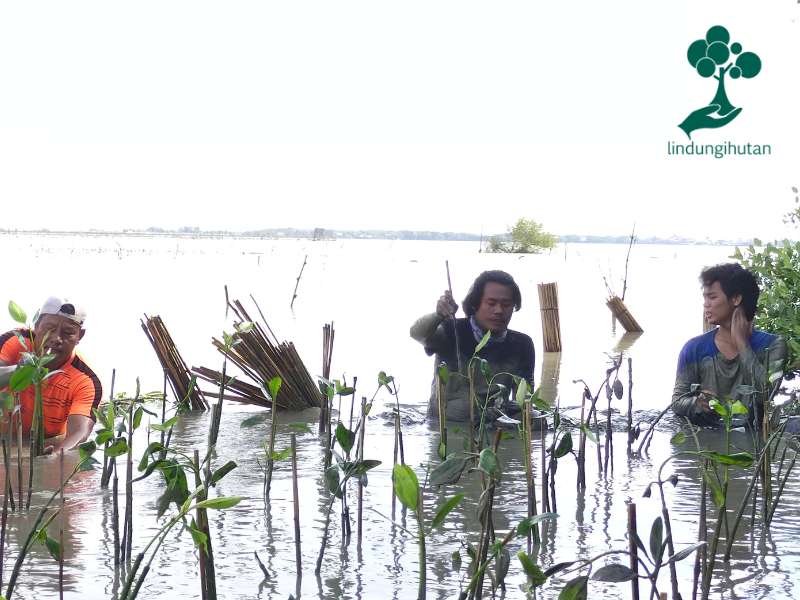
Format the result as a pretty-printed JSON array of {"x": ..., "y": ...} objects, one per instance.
[
  {"x": 57, "y": 335},
  {"x": 496, "y": 308},
  {"x": 717, "y": 307}
]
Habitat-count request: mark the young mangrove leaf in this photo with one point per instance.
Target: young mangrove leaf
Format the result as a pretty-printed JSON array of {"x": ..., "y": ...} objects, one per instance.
[
  {"x": 53, "y": 547},
  {"x": 444, "y": 373},
  {"x": 166, "y": 425},
  {"x": 448, "y": 471},
  {"x": 720, "y": 408},
  {"x": 222, "y": 471},
  {"x": 489, "y": 463},
  {"x": 7, "y": 401},
  {"x": 280, "y": 455},
  {"x": 332, "y": 481},
  {"x": 254, "y": 420},
  {"x": 681, "y": 554},
  {"x": 502, "y": 563},
  {"x": 118, "y": 448},
  {"x": 198, "y": 537},
  {"x": 575, "y": 589},
  {"x": 219, "y": 503},
  {"x": 299, "y": 427},
  {"x": 103, "y": 436},
  {"x": 588, "y": 433},
  {"x": 483, "y": 342},
  {"x": 737, "y": 408},
  {"x": 618, "y": 389},
  {"x": 656, "y": 539},
  {"x": 17, "y": 313},
  {"x": 445, "y": 509},
  {"x": 362, "y": 466},
  {"x": 486, "y": 370},
  {"x": 22, "y": 378},
  {"x": 528, "y": 523},
  {"x": 522, "y": 392},
  {"x": 678, "y": 439},
  {"x": 385, "y": 380},
  {"x": 738, "y": 459},
  {"x": 532, "y": 570},
  {"x": 564, "y": 446},
  {"x": 86, "y": 449},
  {"x": 345, "y": 437},
  {"x": 274, "y": 387},
  {"x": 455, "y": 560},
  {"x": 137, "y": 418},
  {"x": 716, "y": 491},
  {"x": 614, "y": 573},
  {"x": 153, "y": 447},
  {"x": 406, "y": 486}
]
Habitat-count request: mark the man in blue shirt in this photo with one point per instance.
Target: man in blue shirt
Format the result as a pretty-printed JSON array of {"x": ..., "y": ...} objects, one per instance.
[{"x": 729, "y": 356}]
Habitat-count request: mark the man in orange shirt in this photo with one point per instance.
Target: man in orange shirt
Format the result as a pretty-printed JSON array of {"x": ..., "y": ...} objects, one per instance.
[{"x": 70, "y": 394}]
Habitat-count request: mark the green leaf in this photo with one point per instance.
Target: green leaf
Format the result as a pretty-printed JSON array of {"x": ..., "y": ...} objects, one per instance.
[
  {"x": 245, "y": 327},
  {"x": 681, "y": 554},
  {"x": 137, "y": 418},
  {"x": 483, "y": 342},
  {"x": 280, "y": 455},
  {"x": 166, "y": 425},
  {"x": 384, "y": 379},
  {"x": 528, "y": 523},
  {"x": 345, "y": 437},
  {"x": 737, "y": 408},
  {"x": 618, "y": 389},
  {"x": 720, "y": 408},
  {"x": 444, "y": 373},
  {"x": 448, "y": 471},
  {"x": 489, "y": 463},
  {"x": 442, "y": 450},
  {"x": 406, "y": 486},
  {"x": 53, "y": 547},
  {"x": 17, "y": 313},
  {"x": 362, "y": 466},
  {"x": 656, "y": 539},
  {"x": 153, "y": 447},
  {"x": 104, "y": 436},
  {"x": 575, "y": 589},
  {"x": 86, "y": 449},
  {"x": 274, "y": 387},
  {"x": 716, "y": 491},
  {"x": 22, "y": 378},
  {"x": 332, "y": 480},
  {"x": 455, "y": 560},
  {"x": 532, "y": 570},
  {"x": 198, "y": 537},
  {"x": 254, "y": 420},
  {"x": 6, "y": 401},
  {"x": 486, "y": 370},
  {"x": 564, "y": 446},
  {"x": 588, "y": 433},
  {"x": 118, "y": 448},
  {"x": 222, "y": 471},
  {"x": 678, "y": 439},
  {"x": 522, "y": 392},
  {"x": 445, "y": 509},
  {"x": 220, "y": 503},
  {"x": 299, "y": 427},
  {"x": 738, "y": 459},
  {"x": 614, "y": 573}
]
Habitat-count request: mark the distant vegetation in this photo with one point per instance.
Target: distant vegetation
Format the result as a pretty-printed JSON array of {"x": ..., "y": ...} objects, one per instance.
[{"x": 525, "y": 237}]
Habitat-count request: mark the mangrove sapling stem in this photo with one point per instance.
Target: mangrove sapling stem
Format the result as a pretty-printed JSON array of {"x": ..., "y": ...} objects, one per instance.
[
  {"x": 399, "y": 428},
  {"x": 296, "y": 506},
  {"x": 273, "y": 429},
  {"x": 5, "y": 512},
  {"x": 472, "y": 400},
  {"x": 115, "y": 511},
  {"x": 453, "y": 317},
  {"x": 630, "y": 405},
  {"x": 129, "y": 484},
  {"x": 19, "y": 453},
  {"x": 61, "y": 529},
  {"x": 709, "y": 572},
  {"x": 649, "y": 433},
  {"x": 670, "y": 546},
  {"x": 533, "y": 534},
  {"x": 106, "y": 476},
  {"x": 325, "y": 534},
  {"x": 362, "y": 432},
  {"x": 25, "y": 547},
  {"x": 297, "y": 283},
  {"x": 486, "y": 521},
  {"x": 633, "y": 549},
  {"x": 702, "y": 535},
  {"x": 7, "y": 462},
  {"x": 129, "y": 579},
  {"x": 163, "y": 408},
  {"x": 31, "y": 457},
  {"x": 732, "y": 534},
  {"x": 200, "y": 514},
  {"x": 545, "y": 497},
  {"x": 780, "y": 491},
  {"x": 421, "y": 547}
]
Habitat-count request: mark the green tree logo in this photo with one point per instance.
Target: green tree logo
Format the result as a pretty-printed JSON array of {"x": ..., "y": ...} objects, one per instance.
[{"x": 715, "y": 56}]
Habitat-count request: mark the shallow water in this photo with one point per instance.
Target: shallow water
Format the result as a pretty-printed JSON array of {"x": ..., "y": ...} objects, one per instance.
[{"x": 373, "y": 290}]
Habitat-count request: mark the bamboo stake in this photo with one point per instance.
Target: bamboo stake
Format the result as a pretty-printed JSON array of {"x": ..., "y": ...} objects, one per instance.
[
  {"x": 623, "y": 315},
  {"x": 453, "y": 318},
  {"x": 296, "y": 499},
  {"x": 270, "y": 462},
  {"x": 545, "y": 497},
  {"x": 129, "y": 485},
  {"x": 551, "y": 324},
  {"x": 361, "y": 434},
  {"x": 61, "y": 528},
  {"x": 105, "y": 477},
  {"x": 7, "y": 461},
  {"x": 115, "y": 512},
  {"x": 199, "y": 514},
  {"x": 631, "y": 432},
  {"x": 5, "y": 510}
]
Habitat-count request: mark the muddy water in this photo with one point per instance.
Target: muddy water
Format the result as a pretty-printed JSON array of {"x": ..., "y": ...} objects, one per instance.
[{"x": 372, "y": 291}]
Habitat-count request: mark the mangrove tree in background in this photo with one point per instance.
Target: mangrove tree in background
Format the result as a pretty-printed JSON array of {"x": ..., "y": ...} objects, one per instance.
[{"x": 525, "y": 237}]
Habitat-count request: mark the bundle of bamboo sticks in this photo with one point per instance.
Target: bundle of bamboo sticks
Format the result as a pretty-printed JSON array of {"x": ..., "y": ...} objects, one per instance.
[
  {"x": 622, "y": 314},
  {"x": 174, "y": 366},
  {"x": 235, "y": 389},
  {"x": 262, "y": 357},
  {"x": 327, "y": 355},
  {"x": 551, "y": 324}
]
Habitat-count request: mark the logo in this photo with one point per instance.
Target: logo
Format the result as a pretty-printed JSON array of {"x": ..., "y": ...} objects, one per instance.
[{"x": 716, "y": 57}]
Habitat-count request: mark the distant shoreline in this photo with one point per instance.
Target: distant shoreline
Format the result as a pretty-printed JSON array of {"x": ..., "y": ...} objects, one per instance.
[{"x": 332, "y": 235}]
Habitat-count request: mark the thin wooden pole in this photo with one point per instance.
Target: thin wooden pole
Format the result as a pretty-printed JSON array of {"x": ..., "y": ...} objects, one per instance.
[
  {"x": 61, "y": 528},
  {"x": 296, "y": 498},
  {"x": 634, "y": 550}
]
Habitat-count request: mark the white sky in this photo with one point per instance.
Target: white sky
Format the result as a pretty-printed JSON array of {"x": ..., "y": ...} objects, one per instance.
[{"x": 435, "y": 115}]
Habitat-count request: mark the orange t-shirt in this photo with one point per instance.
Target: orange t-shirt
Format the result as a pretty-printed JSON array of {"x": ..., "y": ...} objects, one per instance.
[{"x": 73, "y": 391}]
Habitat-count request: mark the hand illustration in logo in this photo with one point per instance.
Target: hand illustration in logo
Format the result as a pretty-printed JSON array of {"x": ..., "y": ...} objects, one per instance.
[{"x": 711, "y": 57}]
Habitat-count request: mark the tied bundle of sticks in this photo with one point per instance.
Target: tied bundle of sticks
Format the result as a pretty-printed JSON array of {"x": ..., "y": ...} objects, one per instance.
[
  {"x": 262, "y": 357},
  {"x": 327, "y": 355},
  {"x": 622, "y": 314},
  {"x": 175, "y": 368},
  {"x": 551, "y": 324}
]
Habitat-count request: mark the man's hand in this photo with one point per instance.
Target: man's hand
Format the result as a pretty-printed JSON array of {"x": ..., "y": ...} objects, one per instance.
[
  {"x": 701, "y": 402},
  {"x": 741, "y": 329},
  {"x": 446, "y": 306}
]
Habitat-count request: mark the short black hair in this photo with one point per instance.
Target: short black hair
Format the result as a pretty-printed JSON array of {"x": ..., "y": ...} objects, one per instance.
[
  {"x": 473, "y": 299},
  {"x": 734, "y": 279}
]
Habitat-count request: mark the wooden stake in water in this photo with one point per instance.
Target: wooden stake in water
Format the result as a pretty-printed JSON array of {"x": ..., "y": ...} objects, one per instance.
[
  {"x": 106, "y": 476},
  {"x": 453, "y": 318},
  {"x": 200, "y": 514},
  {"x": 61, "y": 528},
  {"x": 631, "y": 433},
  {"x": 128, "y": 551},
  {"x": 5, "y": 509},
  {"x": 633, "y": 549},
  {"x": 7, "y": 462},
  {"x": 115, "y": 511},
  {"x": 296, "y": 505},
  {"x": 19, "y": 453},
  {"x": 297, "y": 283},
  {"x": 361, "y": 434}
]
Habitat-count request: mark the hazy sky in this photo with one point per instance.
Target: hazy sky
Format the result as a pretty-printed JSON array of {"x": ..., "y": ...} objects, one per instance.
[{"x": 436, "y": 115}]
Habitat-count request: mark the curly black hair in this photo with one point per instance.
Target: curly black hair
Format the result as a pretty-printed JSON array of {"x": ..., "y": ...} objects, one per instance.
[
  {"x": 734, "y": 279},
  {"x": 473, "y": 298}
]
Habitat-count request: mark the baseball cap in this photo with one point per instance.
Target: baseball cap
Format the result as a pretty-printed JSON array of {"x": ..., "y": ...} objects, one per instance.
[{"x": 63, "y": 307}]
